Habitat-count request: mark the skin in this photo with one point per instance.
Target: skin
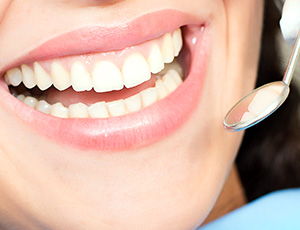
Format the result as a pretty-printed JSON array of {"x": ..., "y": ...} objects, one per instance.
[{"x": 171, "y": 184}]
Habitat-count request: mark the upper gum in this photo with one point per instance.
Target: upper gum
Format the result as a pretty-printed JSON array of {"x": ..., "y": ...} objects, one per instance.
[{"x": 89, "y": 60}]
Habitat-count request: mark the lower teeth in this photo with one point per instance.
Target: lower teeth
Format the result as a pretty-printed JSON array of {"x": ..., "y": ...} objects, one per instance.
[{"x": 163, "y": 87}]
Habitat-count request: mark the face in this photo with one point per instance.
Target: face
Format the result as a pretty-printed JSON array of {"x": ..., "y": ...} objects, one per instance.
[{"x": 112, "y": 138}]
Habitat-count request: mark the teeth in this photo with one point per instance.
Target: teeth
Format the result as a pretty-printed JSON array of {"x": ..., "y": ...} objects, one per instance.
[
  {"x": 177, "y": 42},
  {"x": 149, "y": 96},
  {"x": 81, "y": 80},
  {"x": 61, "y": 77},
  {"x": 78, "y": 110},
  {"x": 43, "y": 79},
  {"x": 155, "y": 60},
  {"x": 30, "y": 101},
  {"x": 58, "y": 110},
  {"x": 98, "y": 110},
  {"x": 133, "y": 103},
  {"x": 167, "y": 48},
  {"x": 135, "y": 70},
  {"x": 169, "y": 82},
  {"x": 21, "y": 97},
  {"x": 161, "y": 89},
  {"x": 107, "y": 77},
  {"x": 28, "y": 77},
  {"x": 43, "y": 107},
  {"x": 116, "y": 108},
  {"x": 14, "y": 77}
]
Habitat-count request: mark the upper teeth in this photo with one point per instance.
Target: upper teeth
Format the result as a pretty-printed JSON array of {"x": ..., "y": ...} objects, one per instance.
[{"x": 105, "y": 76}]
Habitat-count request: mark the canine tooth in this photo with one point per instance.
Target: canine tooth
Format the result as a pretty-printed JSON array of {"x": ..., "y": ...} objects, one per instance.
[
  {"x": 135, "y": 70},
  {"x": 161, "y": 89},
  {"x": 116, "y": 108},
  {"x": 43, "y": 79},
  {"x": 167, "y": 48},
  {"x": 21, "y": 97},
  {"x": 43, "y": 107},
  {"x": 155, "y": 59},
  {"x": 175, "y": 76},
  {"x": 80, "y": 78},
  {"x": 107, "y": 77},
  {"x": 78, "y": 110},
  {"x": 98, "y": 110},
  {"x": 28, "y": 76},
  {"x": 60, "y": 76},
  {"x": 177, "y": 42},
  {"x": 30, "y": 101},
  {"x": 58, "y": 110},
  {"x": 149, "y": 96},
  {"x": 14, "y": 76},
  {"x": 133, "y": 103},
  {"x": 169, "y": 82}
]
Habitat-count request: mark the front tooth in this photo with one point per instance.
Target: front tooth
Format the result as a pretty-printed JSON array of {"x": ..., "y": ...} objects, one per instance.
[
  {"x": 167, "y": 48},
  {"x": 14, "y": 76},
  {"x": 30, "y": 101},
  {"x": 116, "y": 108},
  {"x": 149, "y": 96},
  {"x": 155, "y": 59},
  {"x": 58, "y": 110},
  {"x": 107, "y": 77},
  {"x": 135, "y": 70},
  {"x": 169, "y": 82},
  {"x": 42, "y": 78},
  {"x": 43, "y": 107},
  {"x": 161, "y": 89},
  {"x": 28, "y": 77},
  {"x": 175, "y": 76},
  {"x": 78, "y": 110},
  {"x": 177, "y": 42},
  {"x": 98, "y": 110},
  {"x": 133, "y": 103},
  {"x": 80, "y": 78},
  {"x": 60, "y": 76}
]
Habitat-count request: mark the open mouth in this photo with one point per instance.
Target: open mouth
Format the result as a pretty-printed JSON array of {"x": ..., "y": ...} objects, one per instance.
[
  {"x": 102, "y": 85},
  {"x": 129, "y": 89}
]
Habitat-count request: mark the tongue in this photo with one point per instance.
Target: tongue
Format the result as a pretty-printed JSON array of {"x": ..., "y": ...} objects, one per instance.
[{"x": 69, "y": 96}]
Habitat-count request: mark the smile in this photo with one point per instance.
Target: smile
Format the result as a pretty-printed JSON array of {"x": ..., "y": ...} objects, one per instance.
[{"x": 113, "y": 99}]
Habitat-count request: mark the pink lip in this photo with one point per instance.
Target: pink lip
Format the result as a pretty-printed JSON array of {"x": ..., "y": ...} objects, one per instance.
[{"x": 118, "y": 133}]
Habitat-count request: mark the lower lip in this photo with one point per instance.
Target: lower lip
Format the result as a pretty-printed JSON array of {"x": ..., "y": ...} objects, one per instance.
[{"x": 125, "y": 132}]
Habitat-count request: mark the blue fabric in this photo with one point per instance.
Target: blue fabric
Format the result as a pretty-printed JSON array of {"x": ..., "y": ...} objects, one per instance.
[{"x": 275, "y": 211}]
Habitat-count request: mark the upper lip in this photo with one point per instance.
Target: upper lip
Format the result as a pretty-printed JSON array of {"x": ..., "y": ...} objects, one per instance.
[{"x": 93, "y": 39}]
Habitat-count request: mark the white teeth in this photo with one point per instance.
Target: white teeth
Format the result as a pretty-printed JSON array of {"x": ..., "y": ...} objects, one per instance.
[
  {"x": 28, "y": 77},
  {"x": 177, "y": 42},
  {"x": 133, "y": 103},
  {"x": 107, "y": 77},
  {"x": 80, "y": 78},
  {"x": 42, "y": 78},
  {"x": 175, "y": 76},
  {"x": 116, "y": 108},
  {"x": 60, "y": 76},
  {"x": 155, "y": 59},
  {"x": 98, "y": 110},
  {"x": 78, "y": 110},
  {"x": 58, "y": 110},
  {"x": 14, "y": 77},
  {"x": 169, "y": 82},
  {"x": 167, "y": 48},
  {"x": 161, "y": 89},
  {"x": 43, "y": 107},
  {"x": 21, "y": 97},
  {"x": 149, "y": 96},
  {"x": 30, "y": 101},
  {"x": 135, "y": 70},
  {"x": 172, "y": 66}
]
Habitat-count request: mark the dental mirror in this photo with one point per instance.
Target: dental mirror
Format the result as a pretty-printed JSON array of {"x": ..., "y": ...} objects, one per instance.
[{"x": 263, "y": 101}]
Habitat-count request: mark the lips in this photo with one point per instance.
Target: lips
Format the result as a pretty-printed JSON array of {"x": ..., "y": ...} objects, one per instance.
[{"x": 148, "y": 108}]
